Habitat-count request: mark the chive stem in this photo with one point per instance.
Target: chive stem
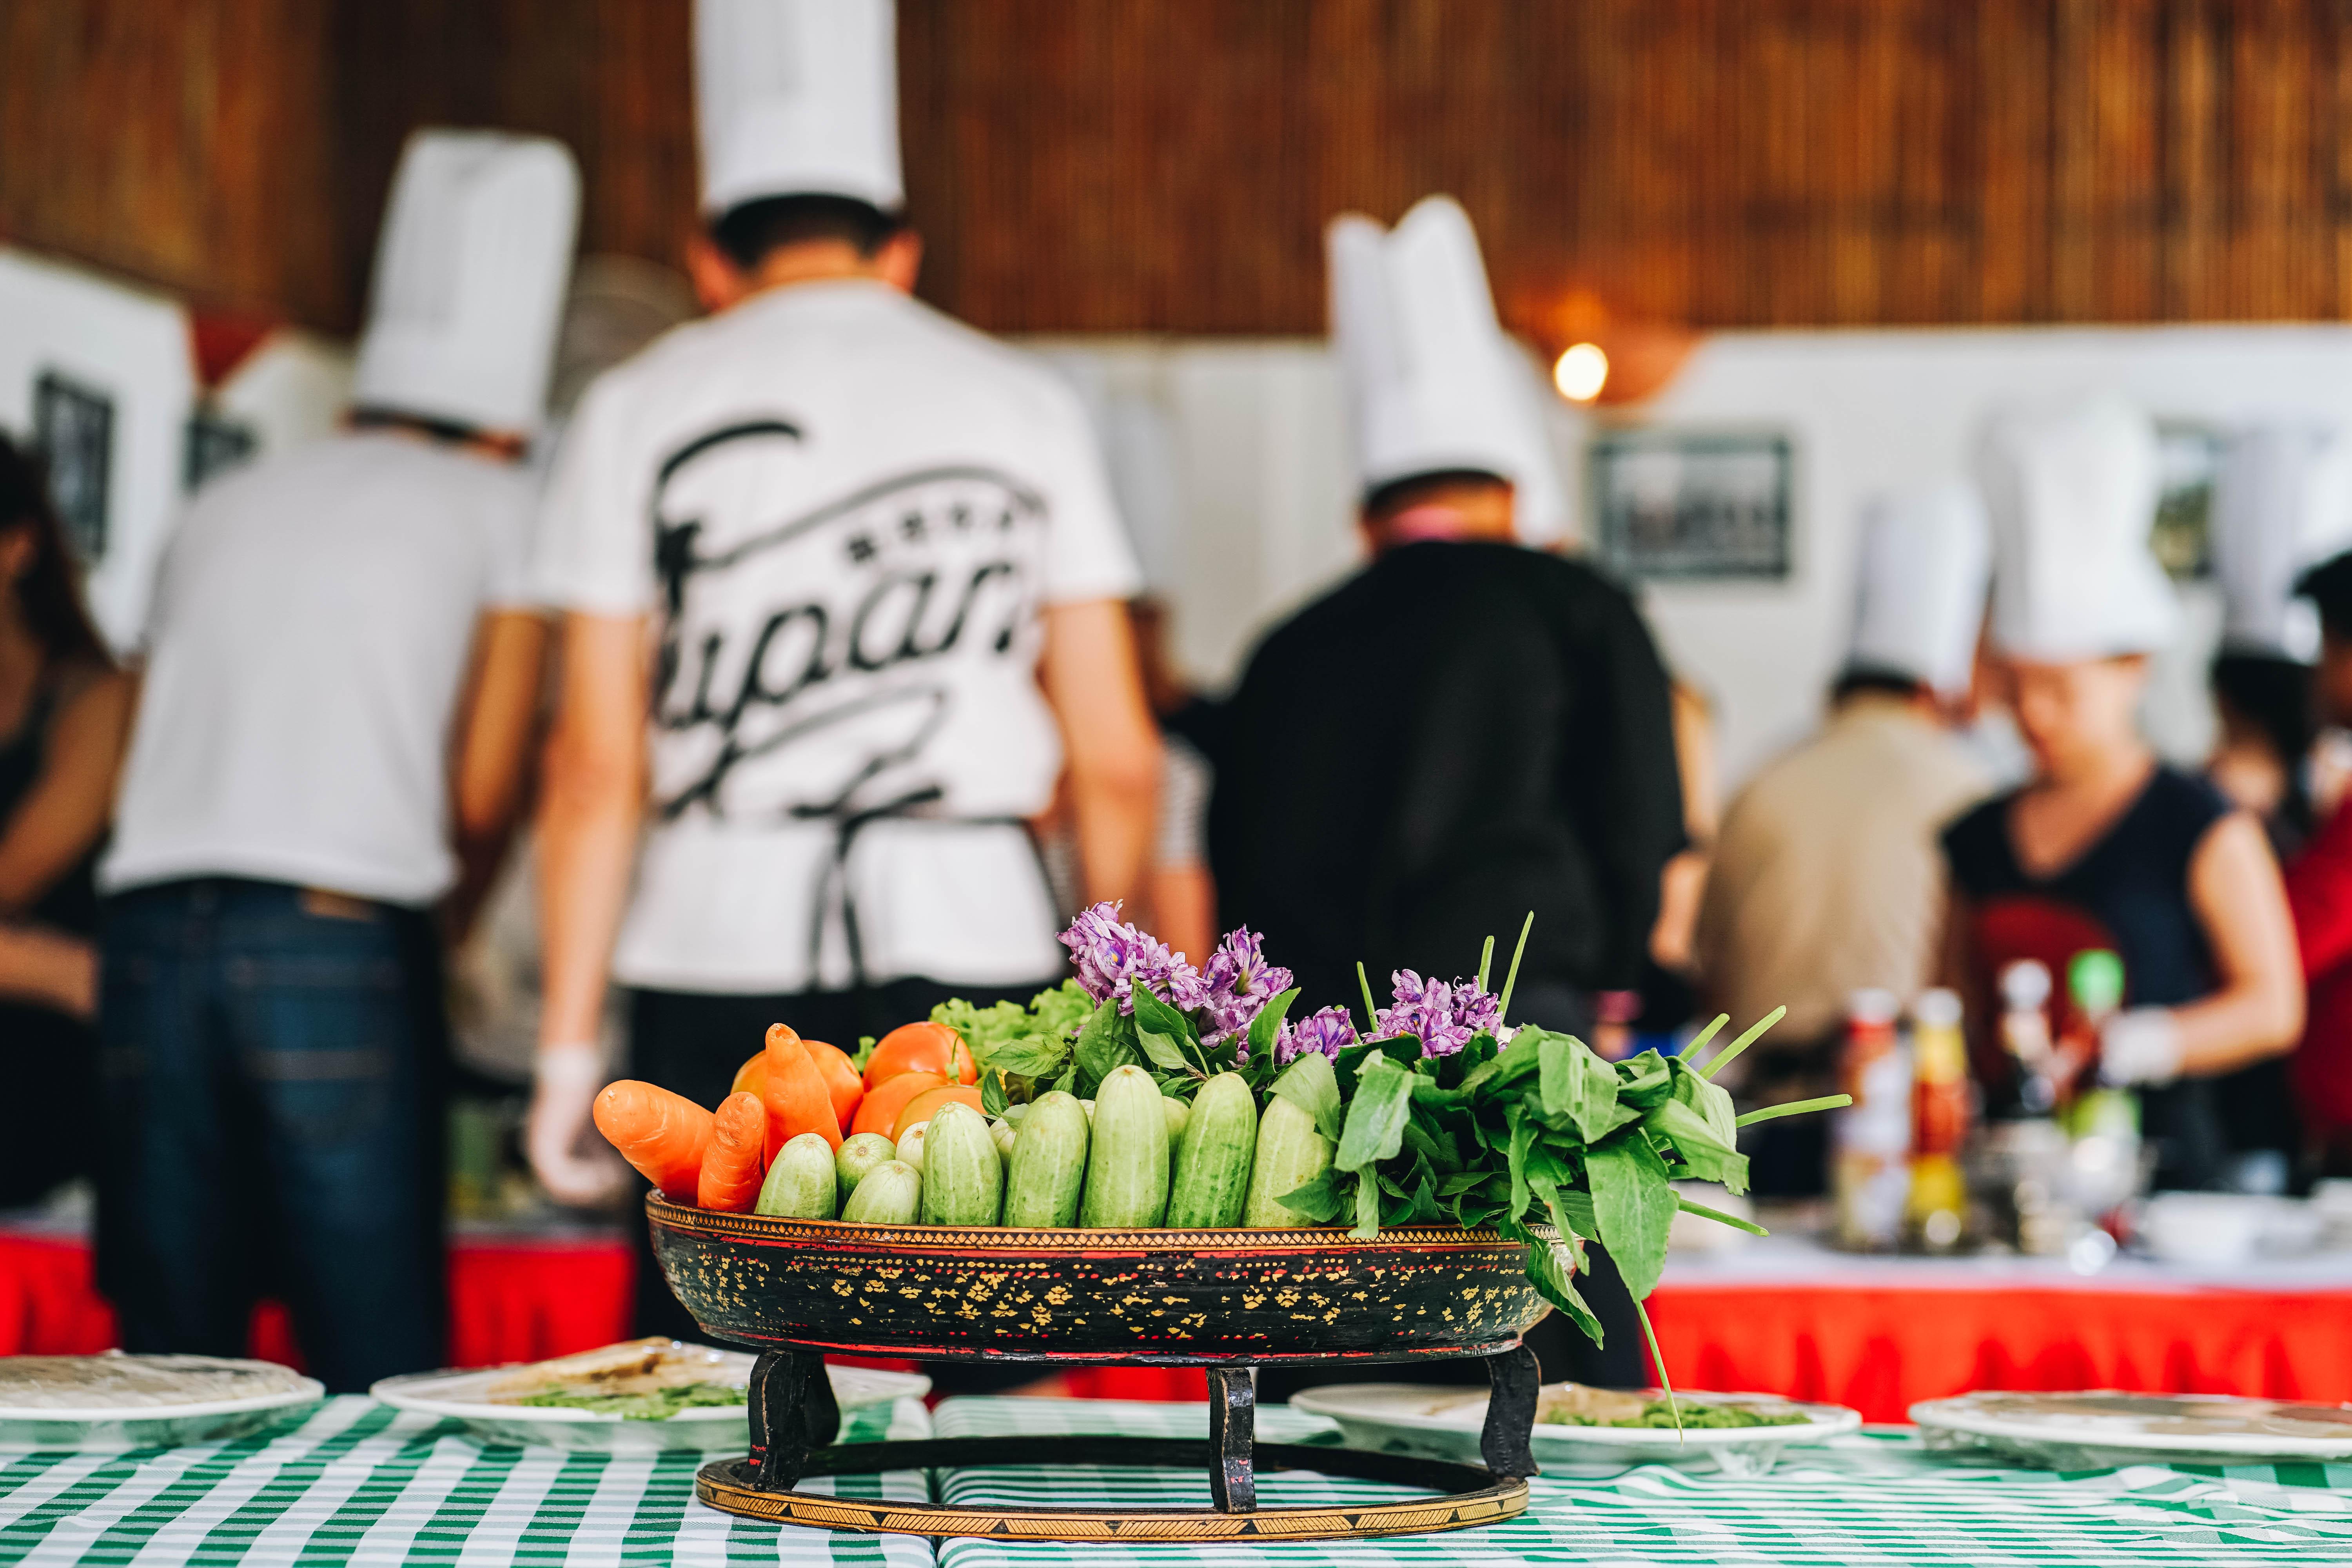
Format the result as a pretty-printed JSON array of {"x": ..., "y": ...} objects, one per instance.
[
  {"x": 1733, "y": 1220},
  {"x": 1503, "y": 1005},
  {"x": 1743, "y": 1042},
  {"x": 1698, "y": 1041},
  {"x": 1658, "y": 1359},
  {"x": 1372, "y": 1014},
  {"x": 1486, "y": 961},
  {"x": 1794, "y": 1108}
]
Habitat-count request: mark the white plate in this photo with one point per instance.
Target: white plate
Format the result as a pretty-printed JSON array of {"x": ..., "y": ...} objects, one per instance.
[
  {"x": 1444, "y": 1423},
  {"x": 108, "y": 1427},
  {"x": 456, "y": 1396},
  {"x": 2101, "y": 1427}
]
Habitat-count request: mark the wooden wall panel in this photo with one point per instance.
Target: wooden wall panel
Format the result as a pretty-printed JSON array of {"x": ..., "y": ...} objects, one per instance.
[{"x": 1169, "y": 164}]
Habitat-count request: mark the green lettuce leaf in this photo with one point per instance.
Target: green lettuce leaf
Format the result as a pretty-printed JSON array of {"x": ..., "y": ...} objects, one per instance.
[
  {"x": 1309, "y": 1083},
  {"x": 1633, "y": 1206},
  {"x": 1374, "y": 1129}
]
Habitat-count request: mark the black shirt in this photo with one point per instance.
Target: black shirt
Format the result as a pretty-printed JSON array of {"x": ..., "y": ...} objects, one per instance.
[{"x": 1459, "y": 734}]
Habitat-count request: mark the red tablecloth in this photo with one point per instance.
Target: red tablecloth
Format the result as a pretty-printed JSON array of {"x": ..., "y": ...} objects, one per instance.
[{"x": 1880, "y": 1348}]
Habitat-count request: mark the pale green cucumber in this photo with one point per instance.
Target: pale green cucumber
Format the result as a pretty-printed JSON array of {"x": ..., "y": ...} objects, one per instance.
[
  {"x": 1005, "y": 1135},
  {"x": 802, "y": 1183},
  {"x": 1049, "y": 1164},
  {"x": 1178, "y": 1114},
  {"x": 1127, "y": 1159},
  {"x": 964, "y": 1175},
  {"x": 891, "y": 1194},
  {"x": 1290, "y": 1154},
  {"x": 860, "y": 1153},
  {"x": 1212, "y": 1169},
  {"x": 910, "y": 1145}
]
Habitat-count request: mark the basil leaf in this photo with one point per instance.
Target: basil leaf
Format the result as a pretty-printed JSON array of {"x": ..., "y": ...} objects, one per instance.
[
  {"x": 1166, "y": 1035},
  {"x": 1309, "y": 1084},
  {"x": 1634, "y": 1205},
  {"x": 1368, "y": 1208},
  {"x": 1463, "y": 1182},
  {"x": 993, "y": 1099},
  {"x": 1376, "y": 1117},
  {"x": 1268, "y": 1024},
  {"x": 1697, "y": 1144},
  {"x": 1710, "y": 1099},
  {"x": 1318, "y": 1202},
  {"x": 1523, "y": 1138},
  {"x": 1162, "y": 1051},
  {"x": 1107, "y": 1041},
  {"x": 1580, "y": 1088},
  {"x": 1642, "y": 1081}
]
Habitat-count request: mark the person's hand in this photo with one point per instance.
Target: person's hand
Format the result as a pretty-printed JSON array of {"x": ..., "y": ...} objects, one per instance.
[
  {"x": 563, "y": 1088},
  {"x": 2141, "y": 1047}
]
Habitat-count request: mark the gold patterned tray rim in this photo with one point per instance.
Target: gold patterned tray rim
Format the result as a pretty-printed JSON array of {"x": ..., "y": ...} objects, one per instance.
[{"x": 1010, "y": 1238}]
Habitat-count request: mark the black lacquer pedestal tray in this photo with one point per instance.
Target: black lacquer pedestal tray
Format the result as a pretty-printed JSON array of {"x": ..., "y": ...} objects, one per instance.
[{"x": 1228, "y": 1300}]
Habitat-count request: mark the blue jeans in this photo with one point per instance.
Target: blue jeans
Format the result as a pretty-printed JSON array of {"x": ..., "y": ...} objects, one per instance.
[{"x": 274, "y": 1066}]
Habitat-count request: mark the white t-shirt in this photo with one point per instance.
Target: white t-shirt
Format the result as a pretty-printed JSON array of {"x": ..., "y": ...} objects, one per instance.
[
  {"x": 305, "y": 650},
  {"x": 843, "y": 513}
]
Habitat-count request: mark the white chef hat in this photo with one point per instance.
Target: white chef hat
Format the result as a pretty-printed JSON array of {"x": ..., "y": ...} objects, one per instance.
[
  {"x": 1433, "y": 381},
  {"x": 2070, "y": 491},
  {"x": 469, "y": 279},
  {"x": 2281, "y": 503},
  {"x": 1926, "y": 557},
  {"x": 797, "y": 98}
]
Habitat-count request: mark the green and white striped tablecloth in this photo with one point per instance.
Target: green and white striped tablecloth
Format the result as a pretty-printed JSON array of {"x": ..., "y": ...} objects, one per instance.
[
  {"x": 358, "y": 1484},
  {"x": 1866, "y": 1499}
]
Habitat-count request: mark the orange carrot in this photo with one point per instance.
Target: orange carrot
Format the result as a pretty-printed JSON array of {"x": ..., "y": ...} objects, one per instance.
[
  {"x": 878, "y": 1111},
  {"x": 840, "y": 1079},
  {"x": 732, "y": 1166},
  {"x": 796, "y": 1093},
  {"x": 660, "y": 1133}
]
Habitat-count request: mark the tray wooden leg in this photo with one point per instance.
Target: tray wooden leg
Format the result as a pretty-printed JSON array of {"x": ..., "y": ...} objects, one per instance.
[
  {"x": 792, "y": 1413},
  {"x": 1232, "y": 1437},
  {"x": 1515, "y": 1383}
]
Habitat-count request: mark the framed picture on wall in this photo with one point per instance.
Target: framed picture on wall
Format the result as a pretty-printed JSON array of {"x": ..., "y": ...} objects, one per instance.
[
  {"x": 1692, "y": 504},
  {"x": 73, "y": 426},
  {"x": 211, "y": 445},
  {"x": 2189, "y": 455}
]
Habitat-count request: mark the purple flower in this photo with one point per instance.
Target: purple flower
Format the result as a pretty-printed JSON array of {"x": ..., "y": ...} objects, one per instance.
[
  {"x": 1111, "y": 956},
  {"x": 1238, "y": 983},
  {"x": 1441, "y": 1016},
  {"x": 1329, "y": 1032}
]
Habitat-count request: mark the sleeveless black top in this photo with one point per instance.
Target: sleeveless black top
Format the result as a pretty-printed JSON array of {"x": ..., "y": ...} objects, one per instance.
[
  {"x": 70, "y": 904},
  {"x": 2130, "y": 892}
]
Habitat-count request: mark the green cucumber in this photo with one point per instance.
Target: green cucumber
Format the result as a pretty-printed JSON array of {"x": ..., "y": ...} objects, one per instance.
[
  {"x": 891, "y": 1194},
  {"x": 1290, "y": 1154},
  {"x": 1212, "y": 1167},
  {"x": 1005, "y": 1134},
  {"x": 860, "y": 1153},
  {"x": 802, "y": 1183},
  {"x": 910, "y": 1145},
  {"x": 964, "y": 1175},
  {"x": 1127, "y": 1159},
  {"x": 1178, "y": 1114},
  {"x": 1049, "y": 1164}
]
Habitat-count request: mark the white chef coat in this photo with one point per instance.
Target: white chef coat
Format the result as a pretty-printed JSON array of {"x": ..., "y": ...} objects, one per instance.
[
  {"x": 842, "y": 511},
  {"x": 305, "y": 651}
]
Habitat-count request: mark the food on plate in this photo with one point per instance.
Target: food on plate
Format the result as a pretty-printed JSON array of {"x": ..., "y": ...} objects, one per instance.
[
  {"x": 641, "y": 1380},
  {"x": 964, "y": 1175},
  {"x": 1048, "y": 1164},
  {"x": 1573, "y": 1404},
  {"x": 891, "y": 1194},
  {"x": 1126, "y": 1157},
  {"x": 926, "y": 1105},
  {"x": 878, "y": 1111},
  {"x": 860, "y": 1153},
  {"x": 921, "y": 1047},
  {"x": 1212, "y": 1178},
  {"x": 804, "y": 1183},
  {"x": 731, "y": 1163},
  {"x": 796, "y": 1093},
  {"x": 117, "y": 1382},
  {"x": 663, "y": 1135}
]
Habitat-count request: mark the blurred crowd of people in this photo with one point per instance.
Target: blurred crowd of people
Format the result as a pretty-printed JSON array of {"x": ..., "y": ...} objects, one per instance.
[{"x": 823, "y": 618}]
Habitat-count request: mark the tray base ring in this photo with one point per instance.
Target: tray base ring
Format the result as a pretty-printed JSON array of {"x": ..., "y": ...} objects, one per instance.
[{"x": 1452, "y": 1496}]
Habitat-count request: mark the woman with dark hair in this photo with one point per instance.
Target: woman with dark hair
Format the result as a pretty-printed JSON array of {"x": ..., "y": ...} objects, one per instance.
[{"x": 63, "y": 710}]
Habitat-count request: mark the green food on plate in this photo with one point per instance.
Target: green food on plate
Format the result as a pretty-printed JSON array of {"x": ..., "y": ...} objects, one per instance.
[
  {"x": 650, "y": 1405},
  {"x": 1661, "y": 1412}
]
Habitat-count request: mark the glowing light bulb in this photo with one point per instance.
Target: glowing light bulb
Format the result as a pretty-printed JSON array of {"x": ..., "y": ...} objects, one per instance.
[{"x": 1580, "y": 372}]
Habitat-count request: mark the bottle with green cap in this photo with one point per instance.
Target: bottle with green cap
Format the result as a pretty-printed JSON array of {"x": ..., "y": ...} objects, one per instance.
[{"x": 2094, "y": 979}]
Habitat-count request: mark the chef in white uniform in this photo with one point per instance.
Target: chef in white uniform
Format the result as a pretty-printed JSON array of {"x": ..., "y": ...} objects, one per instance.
[
  {"x": 861, "y": 567},
  {"x": 2282, "y": 504},
  {"x": 340, "y": 666}
]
